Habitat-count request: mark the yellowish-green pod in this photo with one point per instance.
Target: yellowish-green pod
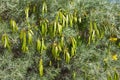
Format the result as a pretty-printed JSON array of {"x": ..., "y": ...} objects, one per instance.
[
  {"x": 67, "y": 57},
  {"x": 24, "y": 44},
  {"x": 75, "y": 19},
  {"x": 72, "y": 51},
  {"x": 57, "y": 17},
  {"x": 5, "y": 41},
  {"x": 60, "y": 15},
  {"x": 43, "y": 47},
  {"x": 44, "y": 8},
  {"x": 43, "y": 29},
  {"x": 74, "y": 75},
  {"x": 59, "y": 29},
  {"x": 74, "y": 43},
  {"x": 30, "y": 35},
  {"x": 54, "y": 28},
  {"x": 38, "y": 45},
  {"x": 71, "y": 20},
  {"x": 41, "y": 67},
  {"x": 13, "y": 25},
  {"x": 93, "y": 35},
  {"x": 90, "y": 32},
  {"x": 27, "y": 12},
  {"x": 63, "y": 21},
  {"x": 96, "y": 30},
  {"x": 54, "y": 50}
]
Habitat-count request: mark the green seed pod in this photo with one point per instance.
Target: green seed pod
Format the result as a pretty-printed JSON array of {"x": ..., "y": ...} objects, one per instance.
[
  {"x": 30, "y": 33},
  {"x": 43, "y": 47},
  {"x": 13, "y": 25},
  {"x": 54, "y": 28},
  {"x": 27, "y": 12},
  {"x": 44, "y": 8},
  {"x": 71, "y": 20},
  {"x": 67, "y": 57},
  {"x": 96, "y": 30},
  {"x": 75, "y": 19},
  {"x": 62, "y": 41},
  {"x": 38, "y": 45},
  {"x": 63, "y": 21},
  {"x": 93, "y": 36},
  {"x": 72, "y": 51},
  {"x": 74, "y": 43},
  {"x": 24, "y": 46},
  {"x": 5, "y": 41},
  {"x": 59, "y": 29},
  {"x": 90, "y": 32},
  {"x": 41, "y": 67}
]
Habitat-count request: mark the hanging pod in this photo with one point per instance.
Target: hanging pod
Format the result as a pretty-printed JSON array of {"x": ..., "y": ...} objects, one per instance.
[
  {"x": 30, "y": 36},
  {"x": 55, "y": 50},
  {"x": 44, "y": 8},
  {"x": 90, "y": 32},
  {"x": 59, "y": 29},
  {"x": 13, "y": 25},
  {"x": 41, "y": 67},
  {"x": 73, "y": 47},
  {"x": 27, "y": 12},
  {"x": 73, "y": 51},
  {"x": 54, "y": 28},
  {"x": 60, "y": 16},
  {"x": 23, "y": 40},
  {"x": 116, "y": 76},
  {"x": 38, "y": 45},
  {"x": 73, "y": 41},
  {"x": 93, "y": 36},
  {"x": 66, "y": 55},
  {"x": 71, "y": 20},
  {"x": 62, "y": 41},
  {"x": 24, "y": 43},
  {"x": 43, "y": 25},
  {"x": 75, "y": 19},
  {"x": 43, "y": 47},
  {"x": 96, "y": 30},
  {"x": 5, "y": 40}
]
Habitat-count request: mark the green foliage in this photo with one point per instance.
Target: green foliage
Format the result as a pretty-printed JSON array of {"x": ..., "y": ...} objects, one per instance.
[{"x": 59, "y": 40}]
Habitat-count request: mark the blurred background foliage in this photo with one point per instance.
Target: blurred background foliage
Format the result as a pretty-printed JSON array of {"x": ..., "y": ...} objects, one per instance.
[{"x": 96, "y": 29}]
